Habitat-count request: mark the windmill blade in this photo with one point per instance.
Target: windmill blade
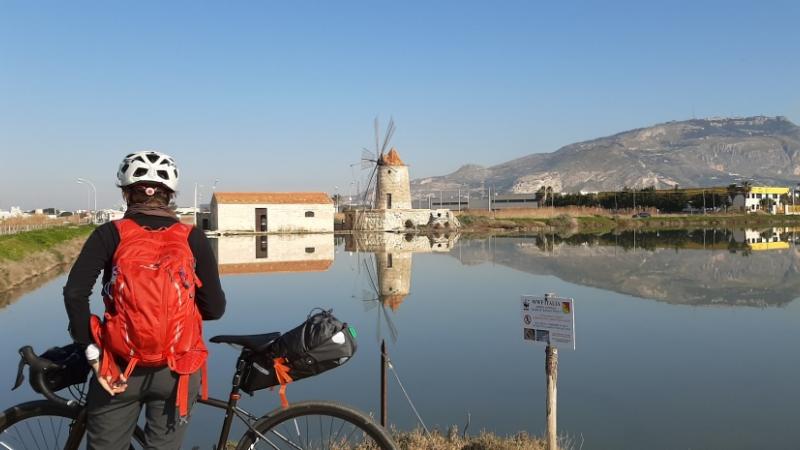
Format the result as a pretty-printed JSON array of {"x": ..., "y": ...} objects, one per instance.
[
  {"x": 368, "y": 159},
  {"x": 392, "y": 329},
  {"x": 371, "y": 280},
  {"x": 370, "y": 187},
  {"x": 388, "y": 137},
  {"x": 370, "y": 305},
  {"x": 377, "y": 135},
  {"x": 368, "y": 155}
]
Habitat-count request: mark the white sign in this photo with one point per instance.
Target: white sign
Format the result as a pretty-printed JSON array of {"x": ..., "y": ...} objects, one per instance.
[{"x": 549, "y": 319}]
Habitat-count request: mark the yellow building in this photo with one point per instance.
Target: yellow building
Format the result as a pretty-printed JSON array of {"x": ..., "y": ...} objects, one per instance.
[{"x": 752, "y": 200}]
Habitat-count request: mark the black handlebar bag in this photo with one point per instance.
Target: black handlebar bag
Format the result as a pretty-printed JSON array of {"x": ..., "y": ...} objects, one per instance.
[
  {"x": 71, "y": 368},
  {"x": 319, "y": 344}
]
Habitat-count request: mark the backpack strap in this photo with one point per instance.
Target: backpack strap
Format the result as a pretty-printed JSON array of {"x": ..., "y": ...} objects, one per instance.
[
  {"x": 182, "y": 399},
  {"x": 282, "y": 374},
  {"x": 126, "y": 227}
]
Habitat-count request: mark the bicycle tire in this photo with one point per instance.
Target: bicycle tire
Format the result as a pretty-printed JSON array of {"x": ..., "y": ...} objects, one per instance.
[
  {"x": 283, "y": 428},
  {"x": 45, "y": 423}
]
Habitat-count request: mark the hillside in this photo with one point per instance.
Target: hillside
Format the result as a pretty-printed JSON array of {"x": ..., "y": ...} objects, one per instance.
[{"x": 698, "y": 152}]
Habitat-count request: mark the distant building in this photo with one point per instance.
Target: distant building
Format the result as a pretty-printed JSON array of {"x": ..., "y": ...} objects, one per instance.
[
  {"x": 766, "y": 198},
  {"x": 271, "y": 212}
]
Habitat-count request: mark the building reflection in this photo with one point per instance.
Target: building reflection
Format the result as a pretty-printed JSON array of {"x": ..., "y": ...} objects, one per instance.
[{"x": 273, "y": 253}]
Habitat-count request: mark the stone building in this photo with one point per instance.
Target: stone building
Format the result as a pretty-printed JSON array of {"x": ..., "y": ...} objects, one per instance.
[{"x": 271, "y": 212}]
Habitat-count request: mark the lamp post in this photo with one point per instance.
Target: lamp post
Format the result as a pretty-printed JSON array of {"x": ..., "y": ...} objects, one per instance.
[
  {"x": 196, "y": 185},
  {"x": 94, "y": 191}
]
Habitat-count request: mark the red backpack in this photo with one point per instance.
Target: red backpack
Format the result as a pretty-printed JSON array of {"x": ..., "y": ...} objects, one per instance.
[{"x": 151, "y": 318}]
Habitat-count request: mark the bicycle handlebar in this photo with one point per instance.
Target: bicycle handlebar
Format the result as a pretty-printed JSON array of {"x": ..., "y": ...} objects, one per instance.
[{"x": 38, "y": 367}]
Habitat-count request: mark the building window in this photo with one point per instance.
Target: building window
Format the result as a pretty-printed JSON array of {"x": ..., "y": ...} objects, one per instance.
[
  {"x": 389, "y": 261},
  {"x": 310, "y": 249},
  {"x": 309, "y": 213}
]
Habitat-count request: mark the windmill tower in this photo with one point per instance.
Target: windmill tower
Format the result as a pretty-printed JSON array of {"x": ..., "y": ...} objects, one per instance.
[
  {"x": 394, "y": 277},
  {"x": 388, "y": 185},
  {"x": 393, "y": 187}
]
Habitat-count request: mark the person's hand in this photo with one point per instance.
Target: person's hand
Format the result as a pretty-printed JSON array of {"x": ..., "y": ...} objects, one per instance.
[{"x": 112, "y": 387}]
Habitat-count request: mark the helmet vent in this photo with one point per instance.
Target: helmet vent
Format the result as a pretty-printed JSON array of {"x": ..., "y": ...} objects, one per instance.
[
  {"x": 152, "y": 157},
  {"x": 163, "y": 174},
  {"x": 124, "y": 167},
  {"x": 140, "y": 172},
  {"x": 140, "y": 159}
]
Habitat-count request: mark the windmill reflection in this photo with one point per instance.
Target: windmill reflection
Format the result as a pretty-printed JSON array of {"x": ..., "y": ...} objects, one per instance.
[{"x": 385, "y": 261}]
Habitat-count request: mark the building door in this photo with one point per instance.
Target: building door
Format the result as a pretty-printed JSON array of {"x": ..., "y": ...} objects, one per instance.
[
  {"x": 388, "y": 201},
  {"x": 261, "y": 247},
  {"x": 261, "y": 220}
]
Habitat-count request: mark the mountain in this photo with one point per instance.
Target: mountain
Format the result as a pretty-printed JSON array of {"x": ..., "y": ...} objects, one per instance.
[
  {"x": 714, "y": 276},
  {"x": 691, "y": 153}
]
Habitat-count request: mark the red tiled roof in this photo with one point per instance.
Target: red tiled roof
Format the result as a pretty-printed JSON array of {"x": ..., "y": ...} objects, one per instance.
[
  {"x": 392, "y": 158},
  {"x": 276, "y": 266},
  {"x": 273, "y": 197}
]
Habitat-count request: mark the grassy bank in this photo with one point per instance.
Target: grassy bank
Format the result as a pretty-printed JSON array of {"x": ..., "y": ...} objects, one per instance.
[
  {"x": 592, "y": 220},
  {"x": 16, "y": 247},
  {"x": 27, "y": 257},
  {"x": 417, "y": 440}
]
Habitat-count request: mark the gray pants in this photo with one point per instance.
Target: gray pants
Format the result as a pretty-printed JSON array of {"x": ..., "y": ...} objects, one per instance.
[{"x": 112, "y": 419}]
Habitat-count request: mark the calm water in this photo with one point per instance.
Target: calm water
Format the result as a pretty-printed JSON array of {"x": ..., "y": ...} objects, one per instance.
[{"x": 683, "y": 340}]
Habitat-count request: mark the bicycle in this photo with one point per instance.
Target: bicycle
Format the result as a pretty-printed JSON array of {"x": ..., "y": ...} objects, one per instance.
[{"x": 308, "y": 425}]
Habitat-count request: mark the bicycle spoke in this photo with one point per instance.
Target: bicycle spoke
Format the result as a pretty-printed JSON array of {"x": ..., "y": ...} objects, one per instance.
[
  {"x": 33, "y": 437},
  {"x": 322, "y": 432},
  {"x": 40, "y": 432}
]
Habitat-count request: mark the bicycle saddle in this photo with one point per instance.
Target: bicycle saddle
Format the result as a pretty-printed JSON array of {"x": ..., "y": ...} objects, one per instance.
[{"x": 255, "y": 342}]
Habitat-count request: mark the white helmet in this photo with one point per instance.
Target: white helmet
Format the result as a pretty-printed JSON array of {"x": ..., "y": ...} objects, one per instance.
[{"x": 148, "y": 166}]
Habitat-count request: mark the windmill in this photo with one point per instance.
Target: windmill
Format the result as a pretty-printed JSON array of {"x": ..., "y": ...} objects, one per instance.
[
  {"x": 371, "y": 160},
  {"x": 374, "y": 300}
]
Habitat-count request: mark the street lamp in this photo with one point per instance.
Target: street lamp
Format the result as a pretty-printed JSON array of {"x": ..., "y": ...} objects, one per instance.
[{"x": 94, "y": 190}]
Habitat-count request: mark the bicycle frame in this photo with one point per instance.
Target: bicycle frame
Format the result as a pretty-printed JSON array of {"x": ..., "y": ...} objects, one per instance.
[
  {"x": 231, "y": 410},
  {"x": 231, "y": 406}
]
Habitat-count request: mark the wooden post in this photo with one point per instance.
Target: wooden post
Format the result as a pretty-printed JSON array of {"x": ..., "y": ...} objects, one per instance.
[
  {"x": 551, "y": 369},
  {"x": 384, "y": 393}
]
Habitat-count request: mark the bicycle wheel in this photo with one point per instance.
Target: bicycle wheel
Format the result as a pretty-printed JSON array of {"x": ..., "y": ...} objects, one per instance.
[
  {"x": 316, "y": 426},
  {"x": 43, "y": 424}
]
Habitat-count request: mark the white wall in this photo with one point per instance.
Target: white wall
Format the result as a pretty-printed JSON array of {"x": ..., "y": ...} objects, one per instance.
[
  {"x": 281, "y": 218},
  {"x": 289, "y": 247}
]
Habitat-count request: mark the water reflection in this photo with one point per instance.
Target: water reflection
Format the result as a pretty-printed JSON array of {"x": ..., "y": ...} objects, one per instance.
[
  {"x": 701, "y": 267},
  {"x": 385, "y": 260},
  {"x": 10, "y": 296},
  {"x": 273, "y": 253}
]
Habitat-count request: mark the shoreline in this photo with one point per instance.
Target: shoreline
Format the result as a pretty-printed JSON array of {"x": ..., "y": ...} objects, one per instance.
[
  {"x": 20, "y": 266},
  {"x": 573, "y": 221}
]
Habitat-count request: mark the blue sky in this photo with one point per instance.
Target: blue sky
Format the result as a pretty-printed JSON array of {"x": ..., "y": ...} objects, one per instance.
[{"x": 281, "y": 95}]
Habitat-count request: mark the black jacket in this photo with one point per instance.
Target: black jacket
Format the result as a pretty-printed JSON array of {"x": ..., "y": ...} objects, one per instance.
[{"x": 96, "y": 255}]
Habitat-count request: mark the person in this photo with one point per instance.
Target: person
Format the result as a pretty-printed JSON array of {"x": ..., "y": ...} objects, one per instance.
[{"x": 148, "y": 181}]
